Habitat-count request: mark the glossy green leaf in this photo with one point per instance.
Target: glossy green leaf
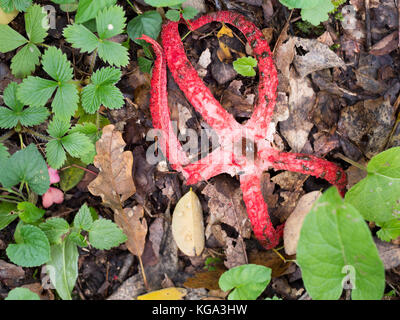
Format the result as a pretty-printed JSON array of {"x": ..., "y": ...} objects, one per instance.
[
  {"x": 29, "y": 213},
  {"x": 88, "y": 9},
  {"x": 389, "y": 230},
  {"x": 148, "y": 23},
  {"x": 245, "y": 66}
]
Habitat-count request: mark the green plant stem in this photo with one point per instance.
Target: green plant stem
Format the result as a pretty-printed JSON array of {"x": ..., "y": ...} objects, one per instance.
[
  {"x": 348, "y": 160},
  {"x": 98, "y": 120},
  {"x": 135, "y": 8},
  {"x": 7, "y": 135},
  {"x": 10, "y": 199},
  {"x": 13, "y": 192},
  {"x": 21, "y": 140},
  {"x": 184, "y": 37},
  {"x": 36, "y": 134}
]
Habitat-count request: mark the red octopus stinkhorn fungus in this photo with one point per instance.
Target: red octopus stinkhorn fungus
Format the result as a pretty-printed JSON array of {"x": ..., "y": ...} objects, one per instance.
[{"x": 229, "y": 131}]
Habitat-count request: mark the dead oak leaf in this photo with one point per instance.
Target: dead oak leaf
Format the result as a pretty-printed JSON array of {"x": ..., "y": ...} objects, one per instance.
[{"x": 114, "y": 183}]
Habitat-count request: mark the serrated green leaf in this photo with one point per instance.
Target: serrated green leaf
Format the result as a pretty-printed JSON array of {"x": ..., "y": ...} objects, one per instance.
[
  {"x": 81, "y": 38},
  {"x": 90, "y": 99},
  {"x": 87, "y": 128},
  {"x": 56, "y": 64},
  {"x": 26, "y": 166},
  {"x": 29, "y": 213},
  {"x": 164, "y": 3},
  {"x": 7, "y": 214},
  {"x": 104, "y": 234},
  {"x": 389, "y": 230},
  {"x": 111, "y": 97},
  {"x": 248, "y": 281},
  {"x": 106, "y": 76},
  {"x": 173, "y": 15},
  {"x": 32, "y": 250},
  {"x": 113, "y": 53},
  {"x": 35, "y": 91},
  {"x": 110, "y": 22},
  {"x": 3, "y": 152},
  {"x": 55, "y": 154},
  {"x": 78, "y": 239},
  {"x": 245, "y": 66},
  {"x": 65, "y": 102},
  {"x": 10, "y": 39},
  {"x": 377, "y": 197},
  {"x": 189, "y": 13},
  {"x": 335, "y": 240},
  {"x": 88, "y": 9},
  {"x": 55, "y": 229},
  {"x": 36, "y": 23},
  {"x": 10, "y": 97},
  {"x": 70, "y": 177},
  {"x": 25, "y": 61},
  {"x": 313, "y": 11},
  {"x": 22, "y": 294},
  {"x": 11, "y": 5},
  {"x": 76, "y": 144},
  {"x": 83, "y": 219},
  {"x": 58, "y": 128},
  {"x": 148, "y": 23},
  {"x": 145, "y": 64},
  {"x": 63, "y": 268}
]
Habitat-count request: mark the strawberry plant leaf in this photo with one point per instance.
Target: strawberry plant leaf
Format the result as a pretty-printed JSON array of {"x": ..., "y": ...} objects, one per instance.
[
  {"x": 32, "y": 248},
  {"x": 7, "y": 214},
  {"x": 10, "y": 39},
  {"x": 55, "y": 154},
  {"x": 26, "y": 166},
  {"x": 164, "y": 3},
  {"x": 389, "y": 230},
  {"x": 335, "y": 239},
  {"x": 110, "y": 22},
  {"x": 148, "y": 23},
  {"x": 56, "y": 64},
  {"x": 81, "y": 38},
  {"x": 83, "y": 219},
  {"x": 383, "y": 183},
  {"x": 173, "y": 15},
  {"x": 25, "y": 61},
  {"x": 22, "y": 294},
  {"x": 36, "y": 24},
  {"x": 63, "y": 267},
  {"x": 28, "y": 212},
  {"x": 58, "y": 128},
  {"x": 105, "y": 234},
  {"x": 245, "y": 66},
  {"x": 88, "y": 9},
  {"x": 10, "y": 117},
  {"x": 55, "y": 228},
  {"x": 189, "y": 13},
  {"x": 11, "y": 5},
  {"x": 3, "y": 152},
  {"x": 113, "y": 53},
  {"x": 76, "y": 144},
  {"x": 313, "y": 11},
  {"x": 65, "y": 101},
  {"x": 35, "y": 91},
  {"x": 247, "y": 281}
]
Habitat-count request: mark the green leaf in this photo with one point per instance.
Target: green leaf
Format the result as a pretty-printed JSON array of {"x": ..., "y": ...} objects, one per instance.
[
  {"x": 32, "y": 249},
  {"x": 70, "y": 177},
  {"x": 81, "y": 38},
  {"x": 55, "y": 229},
  {"x": 26, "y": 166},
  {"x": 83, "y": 219},
  {"x": 248, "y": 281},
  {"x": 56, "y": 64},
  {"x": 55, "y": 154},
  {"x": 7, "y": 214},
  {"x": 29, "y": 213},
  {"x": 164, "y": 3},
  {"x": 307, "y": 4},
  {"x": 36, "y": 24},
  {"x": 335, "y": 240},
  {"x": 377, "y": 196},
  {"x": 173, "y": 15},
  {"x": 110, "y": 22},
  {"x": 3, "y": 152},
  {"x": 65, "y": 101},
  {"x": 11, "y": 5},
  {"x": 88, "y": 9},
  {"x": 104, "y": 234},
  {"x": 78, "y": 239},
  {"x": 76, "y": 144},
  {"x": 10, "y": 39},
  {"x": 22, "y": 294},
  {"x": 145, "y": 64},
  {"x": 63, "y": 268},
  {"x": 313, "y": 11},
  {"x": 35, "y": 91},
  {"x": 189, "y": 13},
  {"x": 9, "y": 118},
  {"x": 148, "y": 23},
  {"x": 113, "y": 53},
  {"x": 390, "y": 230},
  {"x": 58, "y": 128},
  {"x": 245, "y": 66}
]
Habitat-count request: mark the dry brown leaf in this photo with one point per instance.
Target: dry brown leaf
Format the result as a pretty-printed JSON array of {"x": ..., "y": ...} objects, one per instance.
[
  {"x": 293, "y": 224},
  {"x": 271, "y": 260},
  {"x": 386, "y": 45},
  {"x": 206, "y": 279},
  {"x": 114, "y": 182},
  {"x": 134, "y": 225},
  {"x": 389, "y": 253}
]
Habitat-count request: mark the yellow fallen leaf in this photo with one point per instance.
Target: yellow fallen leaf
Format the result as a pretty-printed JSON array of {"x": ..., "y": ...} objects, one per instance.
[
  {"x": 224, "y": 53},
  {"x": 164, "y": 294},
  {"x": 6, "y": 18},
  {"x": 188, "y": 225}
]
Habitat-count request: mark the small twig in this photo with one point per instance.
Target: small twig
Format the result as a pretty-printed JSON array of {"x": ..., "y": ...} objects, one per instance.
[
  {"x": 348, "y": 160},
  {"x": 36, "y": 134},
  {"x": 398, "y": 14},
  {"x": 368, "y": 24},
  {"x": 7, "y": 135},
  {"x": 79, "y": 167},
  {"x": 284, "y": 31},
  {"x": 135, "y": 8}
]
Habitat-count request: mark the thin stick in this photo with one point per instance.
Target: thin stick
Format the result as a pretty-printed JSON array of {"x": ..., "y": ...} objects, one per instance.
[
  {"x": 348, "y": 160},
  {"x": 143, "y": 274},
  {"x": 368, "y": 24}
]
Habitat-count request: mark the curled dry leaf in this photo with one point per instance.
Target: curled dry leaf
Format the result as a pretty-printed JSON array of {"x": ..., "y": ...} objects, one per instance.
[
  {"x": 134, "y": 225},
  {"x": 114, "y": 183},
  {"x": 188, "y": 225},
  {"x": 293, "y": 225}
]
